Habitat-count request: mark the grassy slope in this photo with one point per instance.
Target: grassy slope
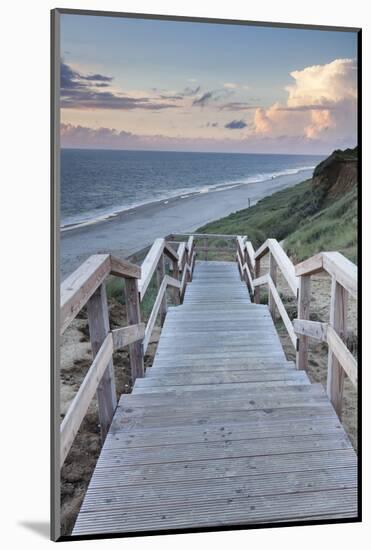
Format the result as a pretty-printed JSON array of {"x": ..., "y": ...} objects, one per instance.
[{"x": 302, "y": 217}]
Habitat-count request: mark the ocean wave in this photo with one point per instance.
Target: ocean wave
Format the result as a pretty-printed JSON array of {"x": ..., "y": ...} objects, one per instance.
[{"x": 90, "y": 218}]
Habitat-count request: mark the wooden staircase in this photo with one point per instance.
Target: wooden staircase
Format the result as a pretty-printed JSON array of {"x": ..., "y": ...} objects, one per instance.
[{"x": 222, "y": 430}]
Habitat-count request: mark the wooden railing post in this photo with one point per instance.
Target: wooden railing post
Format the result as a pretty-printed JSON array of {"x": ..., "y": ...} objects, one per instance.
[
  {"x": 175, "y": 291},
  {"x": 303, "y": 313},
  {"x": 133, "y": 316},
  {"x": 160, "y": 274},
  {"x": 206, "y": 246},
  {"x": 98, "y": 320},
  {"x": 273, "y": 274},
  {"x": 338, "y": 320},
  {"x": 257, "y": 275}
]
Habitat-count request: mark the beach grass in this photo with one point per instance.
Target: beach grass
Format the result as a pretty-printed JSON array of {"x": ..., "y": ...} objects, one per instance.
[{"x": 302, "y": 216}]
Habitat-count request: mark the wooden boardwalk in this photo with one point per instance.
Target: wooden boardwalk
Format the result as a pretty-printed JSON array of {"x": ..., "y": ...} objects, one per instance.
[{"x": 222, "y": 430}]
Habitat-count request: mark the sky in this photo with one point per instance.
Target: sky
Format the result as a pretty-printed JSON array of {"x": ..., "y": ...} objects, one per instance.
[{"x": 185, "y": 86}]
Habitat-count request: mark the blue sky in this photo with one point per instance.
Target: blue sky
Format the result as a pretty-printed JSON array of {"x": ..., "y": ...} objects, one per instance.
[{"x": 156, "y": 65}]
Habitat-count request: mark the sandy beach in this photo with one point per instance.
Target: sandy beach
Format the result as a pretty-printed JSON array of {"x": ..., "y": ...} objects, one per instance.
[{"x": 132, "y": 230}]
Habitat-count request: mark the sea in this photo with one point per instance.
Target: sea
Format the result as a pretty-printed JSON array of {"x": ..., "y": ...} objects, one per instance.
[{"x": 98, "y": 184}]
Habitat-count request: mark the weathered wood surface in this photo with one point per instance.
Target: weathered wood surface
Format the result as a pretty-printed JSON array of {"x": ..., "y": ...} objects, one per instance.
[
  {"x": 133, "y": 318},
  {"x": 282, "y": 260},
  {"x": 338, "y": 324},
  {"x": 98, "y": 320},
  {"x": 77, "y": 410},
  {"x": 222, "y": 430},
  {"x": 124, "y": 336},
  {"x": 84, "y": 281}
]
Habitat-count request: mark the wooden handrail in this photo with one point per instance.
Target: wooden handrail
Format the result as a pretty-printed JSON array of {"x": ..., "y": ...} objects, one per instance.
[
  {"x": 181, "y": 254},
  {"x": 78, "y": 287},
  {"x": 325, "y": 333},
  {"x": 283, "y": 262},
  {"x": 334, "y": 263},
  {"x": 343, "y": 355},
  {"x": 202, "y": 235},
  {"x": 344, "y": 282},
  {"x": 77, "y": 410},
  {"x": 166, "y": 282},
  {"x": 283, "y": 313},
  {"x": 312, "y": 329},
  {"x": 125, "y": 336}
]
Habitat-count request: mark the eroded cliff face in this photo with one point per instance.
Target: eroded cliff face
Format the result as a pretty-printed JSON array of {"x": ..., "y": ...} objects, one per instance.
[{"x": 336, "y": 175}]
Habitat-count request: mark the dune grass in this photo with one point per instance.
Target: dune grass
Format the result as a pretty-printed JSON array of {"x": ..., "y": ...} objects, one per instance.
[{"x": 301, "y": 216}]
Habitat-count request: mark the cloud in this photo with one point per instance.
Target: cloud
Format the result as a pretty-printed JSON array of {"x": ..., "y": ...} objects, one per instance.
[
  {"x": 187, "y": 92},
  {"x": 109, "y": 138},
  {"x": 204, "y": 99},
  {"x": 238, "y": 106},
  {"x": 322, "y": 101},
  {"x": 79, "y": 91},
  {"x": 235, "y": 86},
  {"x": 212, "y": 95},
  {"x": 236, "y": 125}
]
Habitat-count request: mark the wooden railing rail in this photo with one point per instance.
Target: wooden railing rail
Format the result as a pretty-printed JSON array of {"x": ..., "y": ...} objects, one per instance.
[
  {"x": 155, "y": 255},
  {"x": 278, "y": 259},
  {"x": 182, "y": 261},
  {"x": 344, "y": 283},
  {"x": 209, "y": 244},
  {"x": 86, "y": 286},
  {"x": 84, "y": 281},
  {"x": 246, "y": 262}
]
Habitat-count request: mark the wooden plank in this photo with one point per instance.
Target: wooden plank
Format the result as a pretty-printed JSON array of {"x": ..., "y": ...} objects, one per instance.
[
  {"x": 273, "y": 276},
  {"x": 205, "y": 235},
  {"x": 181, "y": 253},
  {"x": 84, "y": 395},
  {"x": 311, "y": 266},
  {"x": 343, "y": 355},
  {"x": 303, "y": 313},
  {"x": 80, "y": 285},
  {"x": 338, "y": 321},
  {"x": 173, "y": 378},
  {"x": 124, "y": 336},
  {"x": 219, "y": 450},
  {"x": 294, "y": 380},
  {"x": 283, "y": 261},
  {"x": 227, "y": 468},
  {"x": 98, "y": 320},
  {"x": 152, "y": 318},
  {"x": 123, "y": 268},
  {"x": 149, "y": 265},
  {"x": 170, "y": 281},
  {"x": 313, "y": 329},
  {"x": 253, "y": 510},
  {"x": 214, "y": 417},
  {"x": 259, "y": 281},
  {"x": 174, "y": 282},
  {"x": 282, "y": 311},
  {"x": 160, "y": 274},
  {"x": 133, "y": 317},
  {"x": 190, "y": 244},
  {"x": 170, "y": 252},
  {"x": 188, "y": 492},
  {"x": 342, "y": 269},
  {"x": 220, "y": 431},
  {"x": 251, "y": 254}
]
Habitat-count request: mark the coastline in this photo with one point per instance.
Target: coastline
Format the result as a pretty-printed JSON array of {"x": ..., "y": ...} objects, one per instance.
[{"x": 135, "y": 228}]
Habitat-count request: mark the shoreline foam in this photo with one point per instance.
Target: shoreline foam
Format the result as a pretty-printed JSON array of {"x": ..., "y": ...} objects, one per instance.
[
  {"x": 182, "y": 194},
  {"x": 134, "y": 229}
]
